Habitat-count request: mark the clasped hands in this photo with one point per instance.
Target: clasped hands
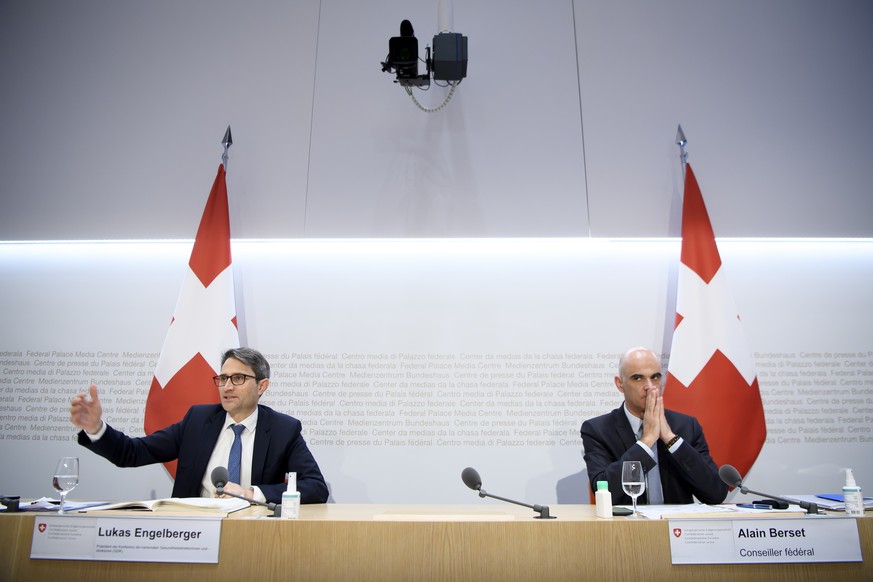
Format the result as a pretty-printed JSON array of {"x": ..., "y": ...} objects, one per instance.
[{"x": 655, "y": 424}]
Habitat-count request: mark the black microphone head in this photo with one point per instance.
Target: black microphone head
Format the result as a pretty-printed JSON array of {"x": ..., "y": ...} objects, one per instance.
[
  {"x": 730, "y": 475},
  {"x": 471, "y": 478},
  {"x": 406, "y": 29},
  {"x": 219, "y": 477}
]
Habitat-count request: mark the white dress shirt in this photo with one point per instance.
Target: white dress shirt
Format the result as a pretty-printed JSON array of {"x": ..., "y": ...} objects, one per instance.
[{"x": 221, "y": 452}]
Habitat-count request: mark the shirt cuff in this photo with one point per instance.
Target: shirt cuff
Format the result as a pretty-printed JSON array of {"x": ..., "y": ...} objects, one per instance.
[
  {"x": 676, "y": 445},
  {"x": 96, "y": 436},
  {"x": 258, "y": 495},
  {"x": 647, "y": 449}
]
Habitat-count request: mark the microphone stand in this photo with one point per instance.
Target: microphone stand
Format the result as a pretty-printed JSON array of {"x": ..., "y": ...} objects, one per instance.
[
  {"x": 543, "y": 510},
  {"x": 809, "y": 506},
  {"x": 276, "y": 509}
]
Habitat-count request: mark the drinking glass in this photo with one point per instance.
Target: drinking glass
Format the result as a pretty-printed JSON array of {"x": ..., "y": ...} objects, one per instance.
[
  {"x": 66, "y": 477},
  {"x": 633, "y": 482}
]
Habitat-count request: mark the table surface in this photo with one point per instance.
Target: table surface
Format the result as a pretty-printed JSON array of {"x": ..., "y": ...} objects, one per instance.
[{"x": 479, "y": 542}]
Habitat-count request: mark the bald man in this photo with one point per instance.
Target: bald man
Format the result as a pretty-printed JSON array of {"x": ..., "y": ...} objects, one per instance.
[{"x": 670, "y": 445}]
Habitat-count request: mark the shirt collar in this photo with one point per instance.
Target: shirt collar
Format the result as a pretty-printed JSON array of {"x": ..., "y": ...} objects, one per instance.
[
  {"x": 250, "y": 422},
  {"x": 635, "y": 422}
]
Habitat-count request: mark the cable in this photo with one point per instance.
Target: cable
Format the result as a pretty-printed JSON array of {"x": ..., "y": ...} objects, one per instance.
[{"x": 434, "y": 109}]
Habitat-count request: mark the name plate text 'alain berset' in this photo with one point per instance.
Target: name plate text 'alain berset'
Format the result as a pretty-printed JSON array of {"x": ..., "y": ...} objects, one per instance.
[{"x": 764, "y": 540}]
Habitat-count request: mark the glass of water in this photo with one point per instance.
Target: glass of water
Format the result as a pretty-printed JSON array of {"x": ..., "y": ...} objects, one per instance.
[
  {"x": 66, "y": 477},
  {"x": 633, "y": 482}
]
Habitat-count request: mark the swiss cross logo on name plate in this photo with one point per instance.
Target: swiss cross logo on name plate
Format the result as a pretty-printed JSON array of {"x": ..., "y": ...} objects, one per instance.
[{"x": 677, "y": 531}]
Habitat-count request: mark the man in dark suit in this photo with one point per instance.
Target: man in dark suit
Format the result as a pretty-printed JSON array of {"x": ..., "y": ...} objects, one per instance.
[
  {"x": 642, "y": 430},
  {"x": 270, "y": 443}
]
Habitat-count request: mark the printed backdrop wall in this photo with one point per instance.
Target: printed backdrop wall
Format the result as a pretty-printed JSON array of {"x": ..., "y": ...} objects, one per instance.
[
  {"x": 408, "y": 360},
  {"x": 487, "y": 342}
]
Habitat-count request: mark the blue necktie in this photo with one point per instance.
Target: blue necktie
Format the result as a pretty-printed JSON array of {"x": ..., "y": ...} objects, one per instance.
[
  {"x": 234, "y": 462},
  {"x": 655, "y": 494}
]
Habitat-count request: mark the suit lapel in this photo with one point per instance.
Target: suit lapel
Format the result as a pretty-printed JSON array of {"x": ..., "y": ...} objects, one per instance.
[
  {"x": 623, "y": 429},
  {"x": 262, "y": 443},
  {"x": 663, "y": 459},
  {"x": 210, "y": 432}
]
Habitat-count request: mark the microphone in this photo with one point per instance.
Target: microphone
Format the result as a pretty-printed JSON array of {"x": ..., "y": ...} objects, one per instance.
[
  {"x": 730, "y": 475},
  {"x": 219, "y": 480},
  {"x": 471, "y": 479}
]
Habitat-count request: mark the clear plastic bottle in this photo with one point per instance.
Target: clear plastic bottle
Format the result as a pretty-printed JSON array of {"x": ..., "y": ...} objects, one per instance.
[
  {"x": 852, "y": 496},
  {"x": 291, "y": 499}
]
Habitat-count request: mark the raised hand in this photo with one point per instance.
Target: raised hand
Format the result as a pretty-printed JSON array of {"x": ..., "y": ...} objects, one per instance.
[{"x": 86, "y": 412}]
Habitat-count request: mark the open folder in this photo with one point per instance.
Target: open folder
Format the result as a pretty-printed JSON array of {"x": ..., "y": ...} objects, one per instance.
[
  {"x": 831, "y": 501},
  {"x": 178, "y": 506},
  {"x": 699, "y": 510}
]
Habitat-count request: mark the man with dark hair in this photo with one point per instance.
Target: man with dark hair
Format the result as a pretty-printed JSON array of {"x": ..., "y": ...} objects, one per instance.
[
  {"x": 257, "y": 444},
  {"x": 670, "y": 445}
]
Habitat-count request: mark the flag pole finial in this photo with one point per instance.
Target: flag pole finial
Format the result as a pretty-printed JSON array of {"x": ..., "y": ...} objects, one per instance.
[
  {"x": 226, "y": 141},
  {"x": 681, "y": 141}
]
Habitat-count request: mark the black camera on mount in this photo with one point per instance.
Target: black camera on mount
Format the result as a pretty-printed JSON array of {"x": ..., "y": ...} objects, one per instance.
[{"x": 449, "y": 62}]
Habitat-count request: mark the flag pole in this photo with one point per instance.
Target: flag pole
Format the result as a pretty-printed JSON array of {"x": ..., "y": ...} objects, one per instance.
[
  {"x": 680, "y": 141},
  {"x": 198, "y": 332},
  {"x": 226, "y": 141}
]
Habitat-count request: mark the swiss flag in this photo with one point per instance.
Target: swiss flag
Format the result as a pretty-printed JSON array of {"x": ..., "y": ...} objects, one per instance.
[
  {"x": 203, "y": 325},
  {"x": 711, "y": 374}
]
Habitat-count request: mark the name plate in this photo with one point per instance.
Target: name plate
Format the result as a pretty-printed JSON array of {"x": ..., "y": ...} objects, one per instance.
[
  {"x": 763, "y": 540},
  {"x": 126, "y": 539}
]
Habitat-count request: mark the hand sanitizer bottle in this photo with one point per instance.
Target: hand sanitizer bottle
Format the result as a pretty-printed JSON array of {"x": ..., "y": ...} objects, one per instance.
[
  {"x": 852, "y": 496},
  {"x": 603, "y": 500},
  {"x": 291, "y": 499}
]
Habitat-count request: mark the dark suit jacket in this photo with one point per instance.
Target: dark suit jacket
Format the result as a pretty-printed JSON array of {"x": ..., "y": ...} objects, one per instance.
[
  {"x": 278, "y": 448},
  {"x": 609, "y": 441}
]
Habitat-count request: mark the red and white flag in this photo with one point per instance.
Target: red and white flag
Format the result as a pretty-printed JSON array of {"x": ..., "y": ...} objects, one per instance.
[
  {"x": 203, "y": 325},
  {"x": 711, "y": 374}
]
